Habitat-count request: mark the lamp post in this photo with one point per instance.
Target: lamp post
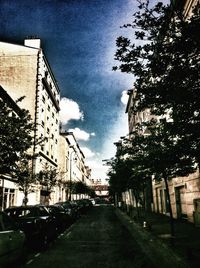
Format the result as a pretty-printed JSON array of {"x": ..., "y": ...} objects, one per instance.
[{"x": 70, "y": 176}]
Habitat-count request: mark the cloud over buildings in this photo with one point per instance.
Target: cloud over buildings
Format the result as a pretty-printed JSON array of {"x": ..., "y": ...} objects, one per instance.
[
  {"x": 87, "y": 152},
  {"x": 70, "y": 110},
  {"x": 81, "y": 134}
]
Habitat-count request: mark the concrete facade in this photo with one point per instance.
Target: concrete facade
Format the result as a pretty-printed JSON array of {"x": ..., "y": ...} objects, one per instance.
[
  {"x": 184, "y": 191},
  {"x": 189, "y": 6},
  {"x": 24, "y": 71}
]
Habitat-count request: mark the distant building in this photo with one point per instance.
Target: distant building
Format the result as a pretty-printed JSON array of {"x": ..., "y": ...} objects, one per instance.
[
  {"x": 72, "y": 163},
  {"x": 101, "y": 190}
]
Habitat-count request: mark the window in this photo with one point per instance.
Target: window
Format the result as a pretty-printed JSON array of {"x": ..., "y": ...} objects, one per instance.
[
  {"x": 43, "y": 99},
  {"x": 7, "y": 223}
]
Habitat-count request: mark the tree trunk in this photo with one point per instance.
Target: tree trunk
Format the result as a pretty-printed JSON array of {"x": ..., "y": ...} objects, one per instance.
[
  {"x": 25, "y": 200},
  {"x": 136, "y": 202},
  {"x": 170, "y": 207}
]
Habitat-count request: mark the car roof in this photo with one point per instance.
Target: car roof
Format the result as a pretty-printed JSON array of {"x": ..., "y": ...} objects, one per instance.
[{"x": 23, "y": 207}]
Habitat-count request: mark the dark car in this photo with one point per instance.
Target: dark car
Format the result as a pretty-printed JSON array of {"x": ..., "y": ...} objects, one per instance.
[
  {"x": 36, "y": 222},
  {"x": 11, "y": 240},
  {"x": 70, "y": 209},
  {"x": 84, "y": 205},
  {"x": 62, "y": 218}
]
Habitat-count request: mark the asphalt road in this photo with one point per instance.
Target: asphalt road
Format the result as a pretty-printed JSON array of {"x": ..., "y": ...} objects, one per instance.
[{"x": 97, "y": 240}]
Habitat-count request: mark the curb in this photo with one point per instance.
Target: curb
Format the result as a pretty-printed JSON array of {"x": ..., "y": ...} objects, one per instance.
[{"x": 158, "y": 253}]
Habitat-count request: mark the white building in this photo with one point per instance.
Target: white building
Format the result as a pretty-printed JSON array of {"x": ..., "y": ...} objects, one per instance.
[{"x": 24, "y": 71}]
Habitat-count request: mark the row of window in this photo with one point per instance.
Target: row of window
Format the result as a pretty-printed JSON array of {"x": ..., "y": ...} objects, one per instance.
[{"x": 51, "y": 85}]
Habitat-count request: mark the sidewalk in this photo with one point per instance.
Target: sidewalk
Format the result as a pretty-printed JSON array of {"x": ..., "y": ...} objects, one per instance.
[{"x": 156, "y": 243}]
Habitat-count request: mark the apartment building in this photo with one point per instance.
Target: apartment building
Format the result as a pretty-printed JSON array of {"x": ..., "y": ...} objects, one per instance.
[
  {"x": 184, "y": 191},
  {"x": 24, "y": 71},
  {"x": 72, "y": 161}
]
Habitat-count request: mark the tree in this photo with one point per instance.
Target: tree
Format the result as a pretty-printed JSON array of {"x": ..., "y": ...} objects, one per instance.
[
  {"x": 15, "y": 133},
  {"x": 165, "y": 158},
  {"x": 25, "y": 178},
  {"x": 48, "y": 176},
  {"x": 125, "y": 173},
  {"x": 165, "y": 62},
  {"x": 80, "y": 187}
]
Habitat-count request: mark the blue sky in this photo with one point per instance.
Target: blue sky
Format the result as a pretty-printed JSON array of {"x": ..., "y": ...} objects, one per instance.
[{"x": 78, "y": 39}]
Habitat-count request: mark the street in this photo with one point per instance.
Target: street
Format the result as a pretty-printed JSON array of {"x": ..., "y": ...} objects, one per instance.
[{"x": 98, "y": 239}]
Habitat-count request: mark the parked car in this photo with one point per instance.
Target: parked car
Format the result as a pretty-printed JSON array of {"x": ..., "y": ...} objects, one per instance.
[
  {"x": 36, "y": 222},
  {"x": 84, "y": 205},
  {"x": 62, "y": 218},
  {"x": 11, "y": 240},
  {"x": 70, "y": 209}
]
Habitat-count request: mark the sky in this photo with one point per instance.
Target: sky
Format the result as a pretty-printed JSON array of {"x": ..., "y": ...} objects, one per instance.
[{"x": 79, "y": 40}]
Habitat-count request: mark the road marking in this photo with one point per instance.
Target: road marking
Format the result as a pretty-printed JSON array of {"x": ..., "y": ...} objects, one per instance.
[
  {"x": 29, "y": 261},
  {"x": 68, "y": 234},
  {"x": 60, "y": 235},
  {"x": 37, "y": 255}
]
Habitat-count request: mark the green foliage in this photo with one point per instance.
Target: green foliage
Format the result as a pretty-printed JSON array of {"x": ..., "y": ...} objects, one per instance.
[
  {"x": 166, "y": 65},
  {"x": 15, "y": 136},
  {"x": 48, "y": 176},
  {"x": 165, "y": 60},
  {"x": 80, "y": 187},
  {"x": 24, "y": 176}
]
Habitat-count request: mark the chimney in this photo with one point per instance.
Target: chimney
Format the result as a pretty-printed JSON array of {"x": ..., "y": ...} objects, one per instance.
[{"x": 32, "y": 41}]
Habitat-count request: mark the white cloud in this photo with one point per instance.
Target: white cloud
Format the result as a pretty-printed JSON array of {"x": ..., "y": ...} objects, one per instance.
[
  {"x": 70, "y": 110},
  {"x": 124, "y": 97},
  {"x": 98, "y": 170},
  {"x": 81, "y": 134},
  {"x": 87, "y": 152}
]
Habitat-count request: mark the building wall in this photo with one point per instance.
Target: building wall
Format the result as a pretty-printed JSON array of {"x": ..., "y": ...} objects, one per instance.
[
  {"x": 18, "y": 73},
  {"x": 188, "y": 7},
  {"x": 183, "y": 193},
  {"x": 24, "y": 71}
]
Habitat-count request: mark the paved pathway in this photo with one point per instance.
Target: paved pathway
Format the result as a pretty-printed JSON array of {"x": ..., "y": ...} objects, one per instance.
[{"x": 97, "y": 240}]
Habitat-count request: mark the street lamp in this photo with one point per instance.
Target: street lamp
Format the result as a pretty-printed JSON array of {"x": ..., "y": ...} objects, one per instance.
[{"x": 70, "y": 176}]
